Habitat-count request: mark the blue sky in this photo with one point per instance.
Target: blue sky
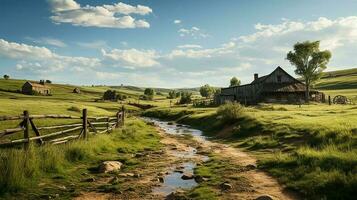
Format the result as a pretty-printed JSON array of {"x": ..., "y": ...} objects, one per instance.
[{"x": 167, "y": 43}]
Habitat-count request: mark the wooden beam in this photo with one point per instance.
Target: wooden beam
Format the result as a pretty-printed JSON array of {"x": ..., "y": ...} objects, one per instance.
[
  {"x": 85, "y": 123},
  {"x": 5, "y": 118},
  {"x": 19, "y": 141},
  {"x": 10, "y": 131},
  {"x": 26, "y": 130},
  {"x": 34, "y": 128},
  {"x": 54, "y": 116},
  {"x": 65, "y": 138},
  {"x": 91, "y": 124},
  {"x": 59, "y": 126}
]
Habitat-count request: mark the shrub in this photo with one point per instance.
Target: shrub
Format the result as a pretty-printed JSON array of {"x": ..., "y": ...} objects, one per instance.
[
  {"x": 185, "y": 98},
  {"x": 74, "y": 109},
  {"x": 149, "y": 92},
  {"x": 230, "y": 111},
  {"x": 109, "y": 95}
]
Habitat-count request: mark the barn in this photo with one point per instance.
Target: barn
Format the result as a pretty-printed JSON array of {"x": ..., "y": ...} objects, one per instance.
[
  {"x": 33, "y": 88},
  {"x": 278, "y": 86}
]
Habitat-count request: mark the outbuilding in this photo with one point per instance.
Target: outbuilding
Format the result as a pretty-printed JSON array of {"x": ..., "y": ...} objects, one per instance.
[{"x": 35, "y": 88}]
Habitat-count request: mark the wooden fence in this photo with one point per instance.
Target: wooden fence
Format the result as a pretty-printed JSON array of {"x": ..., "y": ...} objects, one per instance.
[{"x": 63, "y": 133}]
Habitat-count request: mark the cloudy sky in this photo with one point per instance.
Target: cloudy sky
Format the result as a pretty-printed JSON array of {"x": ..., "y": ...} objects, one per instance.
[{"x": 167, "y": 43}]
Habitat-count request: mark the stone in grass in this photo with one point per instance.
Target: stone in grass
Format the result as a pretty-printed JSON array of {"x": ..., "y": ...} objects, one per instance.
[
  {"x": 161, "y": 179},
  {"x": 226, "y": 186},
  {"x": 200, "y": 179},
  {"x": 110, "y": 166},
  {"x": 251, "y": 166},
  {"x": 90, "y": 179},
  {"x": 127, "y": 174},
  {"x": 187, "y": 176},
  {"x": 264, "y": 197}
]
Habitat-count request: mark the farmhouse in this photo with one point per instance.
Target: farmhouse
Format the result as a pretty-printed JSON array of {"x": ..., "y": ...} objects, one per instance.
[
  {"x": 33, "y": 88},
  {"x": 277, "y": 86}
]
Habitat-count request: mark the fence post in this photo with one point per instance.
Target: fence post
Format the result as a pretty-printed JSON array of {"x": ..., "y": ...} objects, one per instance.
[
  {"x": 26, "y": 130},
  {"x": 122, "y": 115},
  {"x": 118, "y": 120},
  {"x": 329, "y": 100},
  {"x": 85, "y": 123},
  {"x": 108, "y": 124}
]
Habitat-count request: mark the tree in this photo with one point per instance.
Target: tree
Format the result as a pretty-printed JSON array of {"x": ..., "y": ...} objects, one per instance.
[
  {"x": 48, "y": 81},
  {"x": 149, "y": 92},
  {"x": 109, "y": 95},
  {"x": 309, "y": 62},
  {"x": 234, "y": 82},
  {"x": 185, "y": 98},
  {"x": 207, "y": 91},
  {"x": 6, "y": 77},
  {"x": 172, "y": 94}
]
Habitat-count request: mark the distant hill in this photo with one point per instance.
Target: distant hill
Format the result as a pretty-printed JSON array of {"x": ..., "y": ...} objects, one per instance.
[
  {"x": 337, "y": 80},
  {"x": 12, "y": 89}
]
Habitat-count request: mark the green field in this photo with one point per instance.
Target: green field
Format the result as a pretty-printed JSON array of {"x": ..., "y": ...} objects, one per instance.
[
  {"x": 342, "y": 82},
  {"x": 311, "y": 149}
]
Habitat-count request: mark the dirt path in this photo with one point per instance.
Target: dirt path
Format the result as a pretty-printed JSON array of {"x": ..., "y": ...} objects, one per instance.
[{"x": 260, "y": 181}]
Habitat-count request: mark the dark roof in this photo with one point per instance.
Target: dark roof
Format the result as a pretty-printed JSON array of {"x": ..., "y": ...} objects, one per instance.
[
  {"x": 37, "y": 85},
  {"x": 262, "y": 79},
  {"x": 259, "y": 80}
]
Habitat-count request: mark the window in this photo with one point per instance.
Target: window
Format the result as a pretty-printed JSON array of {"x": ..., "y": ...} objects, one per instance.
[{"x": 279, "y": 79}]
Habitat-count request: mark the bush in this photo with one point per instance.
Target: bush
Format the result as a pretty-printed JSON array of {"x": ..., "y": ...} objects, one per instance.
[
  {"x": 109, "y": 95},
  {"x": 230, "y": 111},
  {"x": 74, "y": 109},
  {"x": 185, "y": 98}
]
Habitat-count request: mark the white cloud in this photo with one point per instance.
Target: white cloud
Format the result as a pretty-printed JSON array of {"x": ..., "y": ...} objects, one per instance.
[
  {"x": 132, "y": 57},
  {"x": 48, "y": 41},
  {"x": 41, "y": 59},
  {"x": 108, "y": 16},
  {"x": 192, "y": 32},
  {"x": 61, "y": 5},
  {"x": 98, "y": 44},
  {"x": 202, "y": 53},
  {"x": 189, "y": 46},
  {"x": 267, "y": 47},
  {"x": 54, "y": 42},
  {"x": 177, "y": 21}
]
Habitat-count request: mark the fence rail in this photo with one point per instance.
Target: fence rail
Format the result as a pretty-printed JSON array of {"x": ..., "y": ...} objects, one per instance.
[{"x": 62, "y": 132}]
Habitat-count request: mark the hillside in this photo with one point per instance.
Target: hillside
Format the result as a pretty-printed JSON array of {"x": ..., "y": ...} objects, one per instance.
[{"x": 341, "y": 82}]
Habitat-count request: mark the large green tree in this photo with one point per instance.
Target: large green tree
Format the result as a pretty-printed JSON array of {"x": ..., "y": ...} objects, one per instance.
[
  {"x": 207, "y": 91},
  {"x": 309, "y": 62},
  {"x": 234, "y": 82},
  {"x": 6, "y": 77},
  {"x": 149, "y": 92}
]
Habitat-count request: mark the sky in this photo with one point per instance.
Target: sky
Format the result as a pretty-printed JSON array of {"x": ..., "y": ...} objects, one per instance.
[{"x": 168, "y": 43}]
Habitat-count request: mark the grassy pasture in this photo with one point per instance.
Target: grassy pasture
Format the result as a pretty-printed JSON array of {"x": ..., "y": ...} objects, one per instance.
[
  {"x": 312, "y": 149},
  {"x": 69, "y": 164}
]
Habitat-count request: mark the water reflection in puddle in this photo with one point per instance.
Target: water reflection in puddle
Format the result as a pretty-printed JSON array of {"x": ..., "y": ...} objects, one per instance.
[{"x": 173, "y": 180}]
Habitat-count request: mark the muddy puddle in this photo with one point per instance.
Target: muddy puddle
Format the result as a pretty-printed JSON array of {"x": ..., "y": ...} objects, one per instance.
[{"x": 173, "y": 180}]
